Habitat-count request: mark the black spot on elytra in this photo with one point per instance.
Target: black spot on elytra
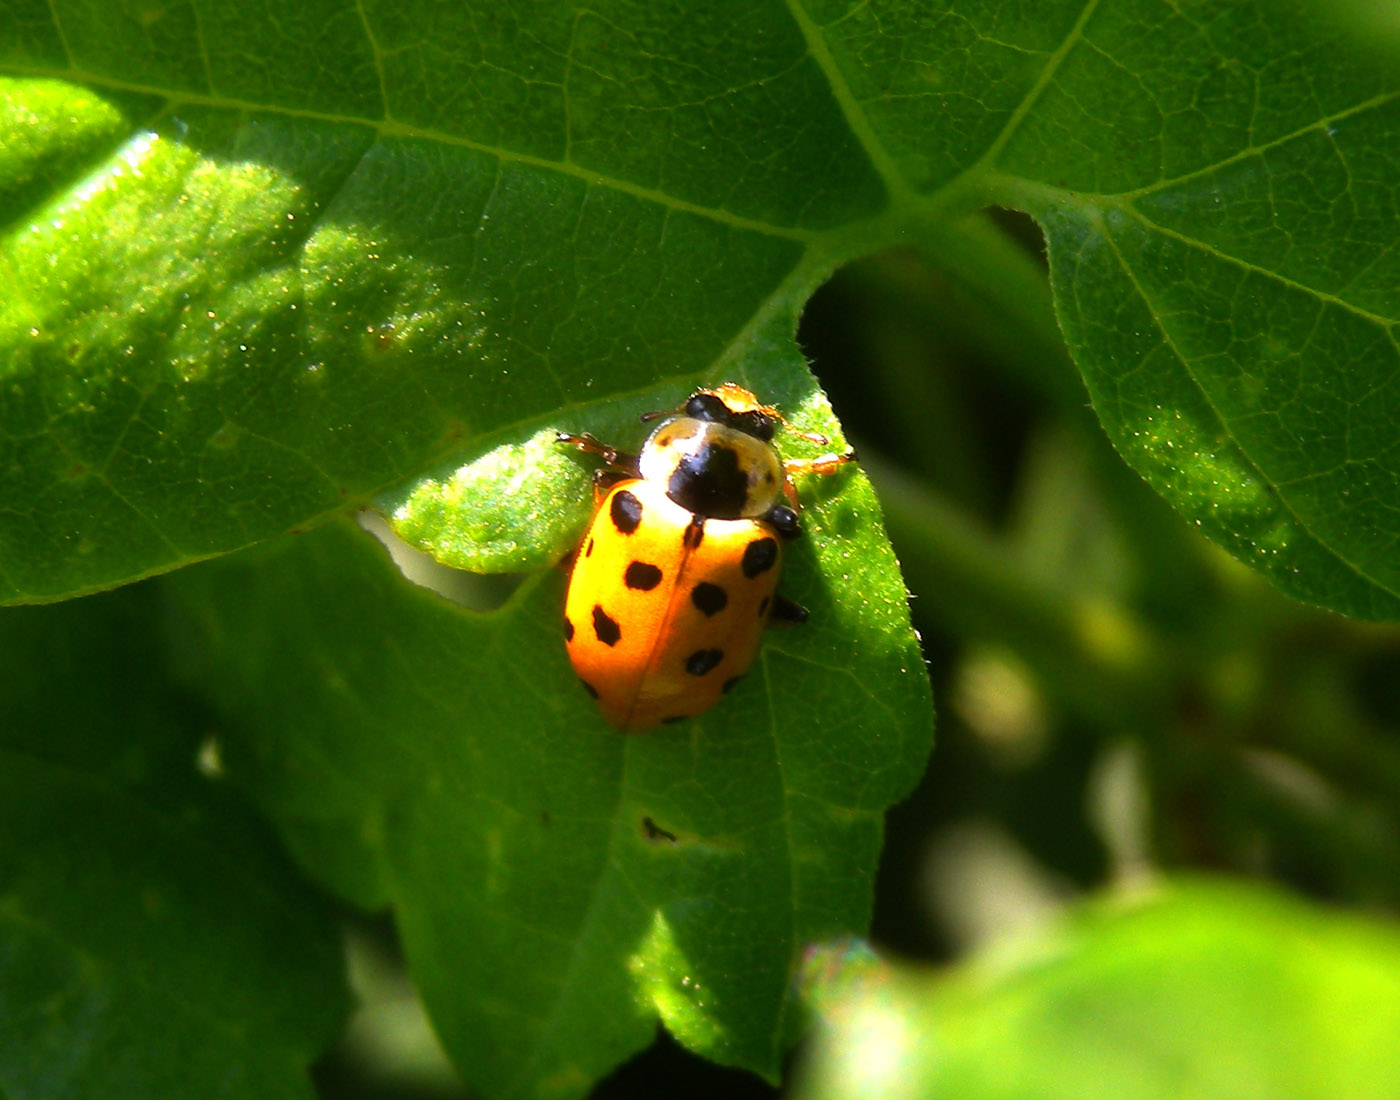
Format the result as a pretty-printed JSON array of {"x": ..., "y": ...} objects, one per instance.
[
  {"x": 626, "y": 511},
  {"x": 759, "y": 557},
  {"x": 589, "y": 688},
  {"x": 642, "y": 576},
  {"x": 703, "y": 660},
  {"x": 589, "y": 552},
  {"x": 763, "y": 607},
  {"x": 729, "y": 684},
  {"x": 605, "y": 627},
  {"x": 568, "y": 631},
  {"x": 709, "y": 598}
]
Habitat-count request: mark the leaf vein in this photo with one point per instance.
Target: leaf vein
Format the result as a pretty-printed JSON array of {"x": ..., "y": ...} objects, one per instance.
[
  {"x": 62, "y": 36},
  {"x": 1246, "y": 265},
  {"x": 851, "y": 109},
  {"x": 1324, "y": 124},
  {"x": 1225, "y": 426},
  {"x": 1043, "y": 81},
  {"x": 387, "y": 127},
  {"x": 376, "y": 51}
]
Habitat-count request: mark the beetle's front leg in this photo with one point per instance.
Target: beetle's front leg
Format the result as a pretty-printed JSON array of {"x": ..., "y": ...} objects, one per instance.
[
  {"x": 619, "y": 460},
  {"x": 823, "y": 464}
]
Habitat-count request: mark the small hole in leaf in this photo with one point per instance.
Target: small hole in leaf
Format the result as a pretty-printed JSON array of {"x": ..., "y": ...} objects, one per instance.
[{"x": 654, "y": 832}]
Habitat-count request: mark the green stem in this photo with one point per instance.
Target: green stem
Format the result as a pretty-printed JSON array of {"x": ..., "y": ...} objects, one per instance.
[{"x": 1094, "y": 653}]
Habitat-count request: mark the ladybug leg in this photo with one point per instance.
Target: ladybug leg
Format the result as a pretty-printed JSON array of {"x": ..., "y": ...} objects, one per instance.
[
  {"x": 787, "y": 613},
  {"x": 828, "y": 463},
  {"x": 620, "y": 461},
  {"x": 784, "y": 520},
  {"x": 604, "y": 480},
  {"x": 823, "y": 464},
  {"x": 657, "y": 414}
]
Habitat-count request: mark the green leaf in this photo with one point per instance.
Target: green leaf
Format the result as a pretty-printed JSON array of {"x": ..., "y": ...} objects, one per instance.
[
  {"x": 277, "y": 265},
  {"x": 153, "y": 941},
  {"x": 499, "y": 514},
  {"x": 1195, "y": 989},
  {"x": 1219, "y": 199},
  {"x": 266, "y": 266},
  {"x": 250, "y": 315},
  {"x": 559, "y": 886}
]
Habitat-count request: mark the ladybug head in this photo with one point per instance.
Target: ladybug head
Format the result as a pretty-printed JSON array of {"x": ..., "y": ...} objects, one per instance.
[{"x": 734, "y": 407}]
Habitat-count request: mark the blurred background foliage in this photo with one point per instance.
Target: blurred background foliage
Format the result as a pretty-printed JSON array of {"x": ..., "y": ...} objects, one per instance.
[{"x": 1117, "y": 693}]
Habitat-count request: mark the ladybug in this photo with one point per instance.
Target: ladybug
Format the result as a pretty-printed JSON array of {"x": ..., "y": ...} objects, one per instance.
[{"x": 678, "y": 575}]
